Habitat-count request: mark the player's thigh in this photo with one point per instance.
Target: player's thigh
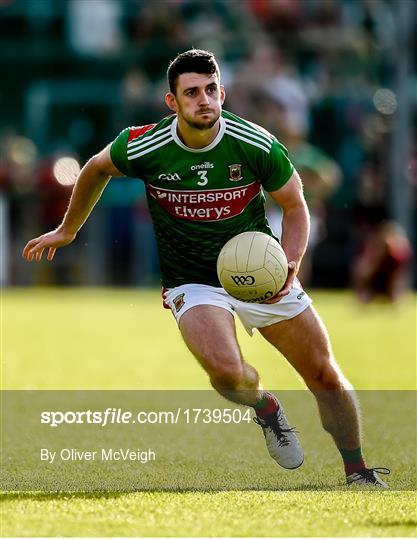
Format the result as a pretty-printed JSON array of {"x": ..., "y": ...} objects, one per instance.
[
  {"x": 210, "y": 334},
  {"x": 304, "y": 342}
]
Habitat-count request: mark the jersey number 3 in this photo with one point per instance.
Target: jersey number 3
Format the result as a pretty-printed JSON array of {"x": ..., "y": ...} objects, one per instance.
[{"x": 203, "y": 178}]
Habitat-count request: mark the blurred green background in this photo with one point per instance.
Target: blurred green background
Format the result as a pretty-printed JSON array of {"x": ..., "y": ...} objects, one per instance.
[
  {"x": 123, "y": 339},
  {"x": 334, "y": 80}
]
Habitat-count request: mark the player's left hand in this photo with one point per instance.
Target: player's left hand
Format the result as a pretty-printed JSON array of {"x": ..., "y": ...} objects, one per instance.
[{"x": 292, "y": 271}]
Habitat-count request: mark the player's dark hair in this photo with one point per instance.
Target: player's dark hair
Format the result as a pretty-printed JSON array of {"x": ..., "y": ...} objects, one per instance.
[{"x": 192, "y": 61}]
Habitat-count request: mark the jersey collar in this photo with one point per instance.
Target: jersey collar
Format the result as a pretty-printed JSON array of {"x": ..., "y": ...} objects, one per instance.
[{"x": 213, "y": 143}]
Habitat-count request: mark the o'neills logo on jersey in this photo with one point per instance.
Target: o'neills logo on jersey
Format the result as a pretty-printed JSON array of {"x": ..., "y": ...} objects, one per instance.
[{"x": 205, "y": 205}]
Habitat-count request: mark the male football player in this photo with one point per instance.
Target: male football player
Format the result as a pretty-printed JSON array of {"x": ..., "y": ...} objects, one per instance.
[{"x": 204, "y": 170}]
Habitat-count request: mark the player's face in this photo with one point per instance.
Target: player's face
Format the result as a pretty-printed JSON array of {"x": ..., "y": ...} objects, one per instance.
[{"x": 198, "y": 99}]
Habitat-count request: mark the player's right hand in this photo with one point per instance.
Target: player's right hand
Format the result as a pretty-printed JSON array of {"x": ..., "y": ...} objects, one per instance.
[
  {"x": 286, "y": 288},
  {"x": 51, "y": 241}
]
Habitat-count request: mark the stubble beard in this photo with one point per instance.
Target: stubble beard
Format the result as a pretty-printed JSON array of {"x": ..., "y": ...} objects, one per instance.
[{"x": 201, "y": 125}]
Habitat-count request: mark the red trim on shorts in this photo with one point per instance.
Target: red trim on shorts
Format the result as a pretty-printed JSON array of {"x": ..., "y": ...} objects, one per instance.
[{"x": 163, "y": 293}]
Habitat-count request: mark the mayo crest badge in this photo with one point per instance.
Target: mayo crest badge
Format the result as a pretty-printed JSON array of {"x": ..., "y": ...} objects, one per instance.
[{"x": 235, "y": 172}]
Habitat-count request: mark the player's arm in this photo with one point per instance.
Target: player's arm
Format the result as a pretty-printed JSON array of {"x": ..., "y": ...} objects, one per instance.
[
  {"x": 88, "y": 188},
  {"x": 295, "y": 226}
]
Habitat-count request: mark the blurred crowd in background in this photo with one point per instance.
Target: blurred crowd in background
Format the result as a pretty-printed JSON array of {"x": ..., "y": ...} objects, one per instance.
[{"x": 334, "y": 80}]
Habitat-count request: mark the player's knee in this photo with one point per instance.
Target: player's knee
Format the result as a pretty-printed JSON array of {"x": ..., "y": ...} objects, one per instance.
[
  {"x": 227, "y": 375},
  {"x": 330, "y": 378},
  {"x": 327, "y": 376}
]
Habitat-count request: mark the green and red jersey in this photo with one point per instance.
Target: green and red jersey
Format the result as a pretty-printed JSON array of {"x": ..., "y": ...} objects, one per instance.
[{"x": 199, "y": 198}]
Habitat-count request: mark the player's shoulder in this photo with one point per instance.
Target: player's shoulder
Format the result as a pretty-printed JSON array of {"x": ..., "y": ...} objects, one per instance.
[
  {"x": 136, "y": 133},
  {"x": 234, "y": 119},
  {"x": 248, "y": 132},
  {"x": 144, "y": 140}
]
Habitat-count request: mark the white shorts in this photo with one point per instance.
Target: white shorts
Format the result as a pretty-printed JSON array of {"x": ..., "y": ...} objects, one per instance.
[{"x": 181, "y": 299}]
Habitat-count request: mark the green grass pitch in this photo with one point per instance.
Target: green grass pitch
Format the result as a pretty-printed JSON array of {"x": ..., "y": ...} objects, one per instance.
[{"x": 123, "y": 339}]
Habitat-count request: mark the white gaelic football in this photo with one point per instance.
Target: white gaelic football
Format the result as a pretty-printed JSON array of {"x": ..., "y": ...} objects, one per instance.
[{"x": 252, "y": 267}]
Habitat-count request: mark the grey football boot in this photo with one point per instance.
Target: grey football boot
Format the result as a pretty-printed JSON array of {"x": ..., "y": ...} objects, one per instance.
[
  {"x": 368, "y": 477},
  {"x": 281, "y": 441}
]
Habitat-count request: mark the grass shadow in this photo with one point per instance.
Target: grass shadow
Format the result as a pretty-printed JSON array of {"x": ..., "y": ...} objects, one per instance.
[{"x": 93, "y": 495}]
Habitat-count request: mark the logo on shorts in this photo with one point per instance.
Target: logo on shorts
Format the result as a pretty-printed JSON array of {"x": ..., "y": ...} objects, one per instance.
[
  {"x": 243, "y": 280},
  {"x": 299, "y": 296},
  {"x": 179, "y": 302},
  {"x": 235, "y": 172}
]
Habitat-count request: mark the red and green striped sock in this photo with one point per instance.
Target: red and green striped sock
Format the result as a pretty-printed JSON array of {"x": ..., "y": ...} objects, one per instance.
[
  {"x": 352, "y": 460},
  {"x": 268, "y": 404}
]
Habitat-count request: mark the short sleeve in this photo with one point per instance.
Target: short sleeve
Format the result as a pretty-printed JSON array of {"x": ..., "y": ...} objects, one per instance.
[
  {"x": 275, "y": 168},
  {"x": 118, "y": 152}
]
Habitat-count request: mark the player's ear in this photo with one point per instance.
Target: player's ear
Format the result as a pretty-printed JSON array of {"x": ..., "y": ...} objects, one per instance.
[
  {"x": 222, "y": 94},
  {"x": 171, "y": 102}
]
